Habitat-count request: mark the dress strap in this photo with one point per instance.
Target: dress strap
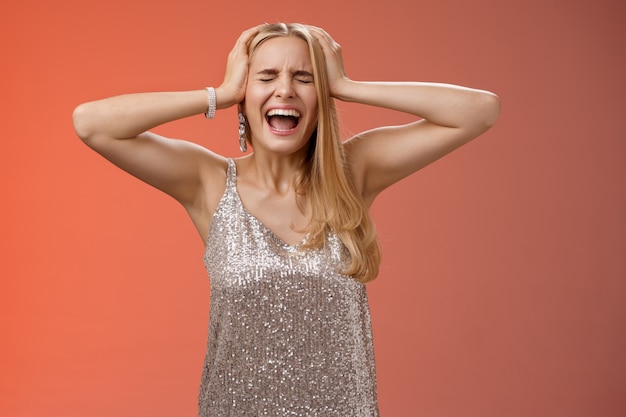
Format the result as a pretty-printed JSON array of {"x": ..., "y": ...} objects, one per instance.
[{"x": 231, "y": 175}]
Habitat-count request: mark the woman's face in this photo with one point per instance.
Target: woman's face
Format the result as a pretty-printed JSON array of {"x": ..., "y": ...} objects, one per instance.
[{"x": 281, "y": 101}]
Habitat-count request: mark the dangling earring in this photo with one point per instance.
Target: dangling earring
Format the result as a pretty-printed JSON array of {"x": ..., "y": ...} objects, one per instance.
[{"x": 243, "y": 145}]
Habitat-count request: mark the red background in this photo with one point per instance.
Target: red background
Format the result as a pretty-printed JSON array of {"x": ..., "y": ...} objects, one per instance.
[{"x": 502, "y": 291}]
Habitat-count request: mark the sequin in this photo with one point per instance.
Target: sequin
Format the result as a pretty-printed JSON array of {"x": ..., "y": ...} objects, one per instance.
[{"x": 288, "y": 335}]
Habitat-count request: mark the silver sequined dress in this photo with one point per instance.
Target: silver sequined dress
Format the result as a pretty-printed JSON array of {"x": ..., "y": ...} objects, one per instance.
[{"x": 288, "y": 334}]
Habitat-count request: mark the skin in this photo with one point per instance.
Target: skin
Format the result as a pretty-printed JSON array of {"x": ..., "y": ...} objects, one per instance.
[
  {"x": 447, "y": 117},
  {"x": 280, "y": 76}
]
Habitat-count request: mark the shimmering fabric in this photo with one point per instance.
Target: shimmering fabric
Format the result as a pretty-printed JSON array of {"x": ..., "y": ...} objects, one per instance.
[{"x": 288, "y": 334}]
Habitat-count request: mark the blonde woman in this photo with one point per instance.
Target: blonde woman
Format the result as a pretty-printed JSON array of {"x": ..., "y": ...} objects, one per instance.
[{"x": 289, "y": 241}]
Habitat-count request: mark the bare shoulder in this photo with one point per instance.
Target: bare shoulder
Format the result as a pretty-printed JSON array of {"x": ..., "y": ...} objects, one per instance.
[{"x": 356, "y": 154}]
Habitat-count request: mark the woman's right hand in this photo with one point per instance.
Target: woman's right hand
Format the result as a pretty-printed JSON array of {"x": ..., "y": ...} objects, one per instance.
[{"x": 233, "y": 89}]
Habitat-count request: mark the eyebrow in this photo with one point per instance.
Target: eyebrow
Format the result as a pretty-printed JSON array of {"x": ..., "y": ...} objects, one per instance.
[
  {"x": 272, "y": 71},
  {"x": 302, "y": 73}
]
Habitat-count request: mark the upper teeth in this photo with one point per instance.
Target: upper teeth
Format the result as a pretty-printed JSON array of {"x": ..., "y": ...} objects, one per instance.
[{"x": 283, "y": 112}]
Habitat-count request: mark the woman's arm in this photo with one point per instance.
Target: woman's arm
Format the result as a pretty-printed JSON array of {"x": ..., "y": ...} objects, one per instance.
[
  {"x": 118, "y": 128},
  {"x": 449, "y": 116}
]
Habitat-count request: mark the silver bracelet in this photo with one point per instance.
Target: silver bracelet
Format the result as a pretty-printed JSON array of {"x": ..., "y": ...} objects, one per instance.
[{"x": 210, "y": 113}]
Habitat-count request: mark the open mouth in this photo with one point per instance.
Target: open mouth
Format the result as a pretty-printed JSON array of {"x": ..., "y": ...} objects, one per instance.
[{"x": 283, "y": 120}]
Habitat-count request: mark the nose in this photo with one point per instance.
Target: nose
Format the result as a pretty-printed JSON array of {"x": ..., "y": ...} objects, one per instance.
[{"x": 284, "y": 87}]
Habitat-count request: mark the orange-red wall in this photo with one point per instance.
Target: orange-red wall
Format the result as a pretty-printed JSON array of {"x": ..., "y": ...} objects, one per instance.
[{"x": 503, "y": 288}]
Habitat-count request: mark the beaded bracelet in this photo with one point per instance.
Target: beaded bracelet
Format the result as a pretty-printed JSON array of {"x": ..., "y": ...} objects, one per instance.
[{"x": 210, "y": 113}]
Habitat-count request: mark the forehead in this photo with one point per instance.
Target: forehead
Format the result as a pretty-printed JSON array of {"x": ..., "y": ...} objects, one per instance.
[{"x": 282, "y": 51}]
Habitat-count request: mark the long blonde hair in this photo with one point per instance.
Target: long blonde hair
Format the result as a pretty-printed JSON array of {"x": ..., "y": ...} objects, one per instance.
[{"x": 336, "y": 207}]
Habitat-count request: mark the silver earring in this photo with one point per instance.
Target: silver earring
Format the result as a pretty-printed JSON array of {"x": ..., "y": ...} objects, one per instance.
[{"x": 243, "y": 145}]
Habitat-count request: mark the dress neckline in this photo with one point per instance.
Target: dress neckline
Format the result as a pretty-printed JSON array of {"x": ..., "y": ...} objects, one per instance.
[{"x": 233, "y": 183}]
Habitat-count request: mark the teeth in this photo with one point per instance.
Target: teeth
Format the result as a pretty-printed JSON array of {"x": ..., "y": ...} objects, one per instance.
[{"x": 283, "y": 112}]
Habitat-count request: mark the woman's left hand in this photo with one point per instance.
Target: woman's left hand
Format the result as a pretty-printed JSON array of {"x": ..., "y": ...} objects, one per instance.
[{"x": 337, "y": 77}]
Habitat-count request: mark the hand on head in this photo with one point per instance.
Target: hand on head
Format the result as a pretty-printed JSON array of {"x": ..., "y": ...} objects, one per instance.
[
  {"x": 233, "y": 89},
  {"x": 334, "y": 60}
]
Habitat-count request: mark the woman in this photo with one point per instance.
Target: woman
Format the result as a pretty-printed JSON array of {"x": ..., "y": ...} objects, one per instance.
[{"x": 289, "y": 242}]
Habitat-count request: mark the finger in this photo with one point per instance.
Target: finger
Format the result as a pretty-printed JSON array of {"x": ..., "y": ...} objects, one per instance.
[
  {"x": 322, "y": 36},
  {"x": 248, "y": 34}
]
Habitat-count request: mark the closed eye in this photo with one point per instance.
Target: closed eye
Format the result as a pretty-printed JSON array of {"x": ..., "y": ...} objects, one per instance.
[
  {"x": 303, "y": 77},
  {"x": 267, "y": 75}
]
